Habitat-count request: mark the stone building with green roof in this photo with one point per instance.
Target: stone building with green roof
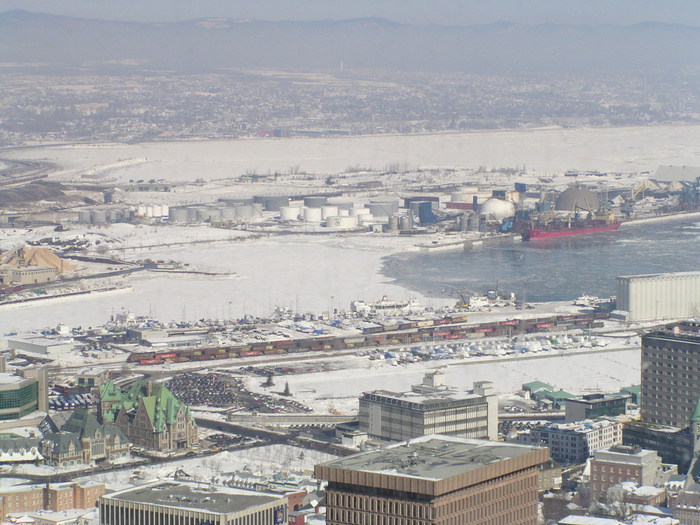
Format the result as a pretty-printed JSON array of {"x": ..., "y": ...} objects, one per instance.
[
  {"x": 150, "y": 416},
  {"x": 82, "y": 439}
]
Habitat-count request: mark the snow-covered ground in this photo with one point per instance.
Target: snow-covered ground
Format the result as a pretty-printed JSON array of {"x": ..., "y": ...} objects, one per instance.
[
  {"x": 546, "y": 150},
  {"x": 339, "y": 390},
  {"x": 265, "y": 461}
]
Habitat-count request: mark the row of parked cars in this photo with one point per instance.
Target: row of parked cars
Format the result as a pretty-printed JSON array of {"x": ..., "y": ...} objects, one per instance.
[{"x": 72, "y": 401}]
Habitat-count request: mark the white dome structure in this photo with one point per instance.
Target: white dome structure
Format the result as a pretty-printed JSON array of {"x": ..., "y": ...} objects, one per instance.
[
  {"x": 577, "y": 199},
  {"x": 497, "y": 209}
]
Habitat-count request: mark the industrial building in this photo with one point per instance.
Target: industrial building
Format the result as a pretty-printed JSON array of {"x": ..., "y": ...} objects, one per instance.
[
  {"x": 594, "y": 406},
  {"x": 623, "y": 463},
  {"x": 658, "y": 296},
  {"x": 37, "y": 344},
  {"x": 671, "y": 374},
  {"x": 430, "y": 408},
  {"x": 435, "y": 480},
  {"x": 170, "y": 502},
  {"x": 573, "y": 443},
  {"x": 27, "y": 275}
]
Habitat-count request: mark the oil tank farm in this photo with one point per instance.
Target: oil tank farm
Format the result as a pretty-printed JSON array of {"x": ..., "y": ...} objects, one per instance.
[
  {"x": 271, "y": 202},
  {"x": 658, "y": 296}
]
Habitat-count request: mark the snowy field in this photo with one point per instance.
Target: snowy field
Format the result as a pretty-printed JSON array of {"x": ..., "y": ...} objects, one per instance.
[
  {"x": 262, "y": 461},
  {"x": 547, "y": 150},
  {"x": 339, "y": 390}
]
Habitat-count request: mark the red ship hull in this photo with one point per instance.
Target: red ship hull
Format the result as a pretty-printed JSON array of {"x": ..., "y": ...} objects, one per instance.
[{"x": 546, "y": 234}]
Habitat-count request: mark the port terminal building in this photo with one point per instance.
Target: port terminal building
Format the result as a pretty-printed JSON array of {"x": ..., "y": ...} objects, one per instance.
[{"x": 658, "y": 296}]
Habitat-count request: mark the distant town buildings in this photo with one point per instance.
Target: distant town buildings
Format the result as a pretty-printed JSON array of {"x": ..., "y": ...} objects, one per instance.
[
  {"x": 435, "y": 480},
  {"x": 171, "y": 502},
  {"x": 149, "y": 415},
  {"x": 430, "y": 408},
  {"x": 573, "y": 442},
  {"x": 671, "y": 374}
]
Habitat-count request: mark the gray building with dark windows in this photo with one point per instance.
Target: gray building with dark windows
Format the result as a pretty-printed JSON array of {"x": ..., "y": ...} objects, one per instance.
[
  {"x": 430, "y": 408},
  {"x": 671, "y": 374}
]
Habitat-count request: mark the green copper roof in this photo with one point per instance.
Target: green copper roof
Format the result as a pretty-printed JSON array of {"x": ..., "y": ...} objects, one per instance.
[
  {"x": 160, "y": 404},
  {"x": 695, "y": 418}
]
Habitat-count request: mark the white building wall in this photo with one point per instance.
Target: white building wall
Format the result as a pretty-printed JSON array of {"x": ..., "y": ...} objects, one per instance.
[{"x": 659, "y": 296}]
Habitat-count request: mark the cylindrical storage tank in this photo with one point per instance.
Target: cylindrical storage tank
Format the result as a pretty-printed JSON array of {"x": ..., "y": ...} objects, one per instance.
[
  {"x": 366, "y": 219},
  {"x": 315, "y": 201},
  {"x": 213, "y": 214},
  {"x": 341, "y": 204},
  {"x": 405, "y": 223},
  {"x": 192, "y": 214},
  {"x": 344, "y": 213},
  {"x": 84, "y": 216},
  {"x": 98, "y": 216},
  {"x": 256, "y": 209},
  {"x": 164, "y": 210},
  {"x": 393, "y": 224},
  {"x": 202, "y": 213},
  {"x": 290, "y": 213},
  {"x": 275, "y": 203},
  {"x": 341, "y": 223},
  {"x": 228, "y": 213},
  {"x": 246, "y": 211},
  {"x": 112, "y": 215},
  {"x": 149, "y": 211},
  {"x": 157, "y": 210},
  {"x": 141, "y": 210},
  {"x": 178, "y": 214},
  {"x": 383, "y": 208},
  {"x": 329, "y": 211},
  {"x": 313, "y": 214}
]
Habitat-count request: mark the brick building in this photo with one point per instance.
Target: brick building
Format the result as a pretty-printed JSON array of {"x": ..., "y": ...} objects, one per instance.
[
  {"x": 435, "y": 480},
  {"x": 620, "y": 464},
  {"x": 54, "y": 497}
]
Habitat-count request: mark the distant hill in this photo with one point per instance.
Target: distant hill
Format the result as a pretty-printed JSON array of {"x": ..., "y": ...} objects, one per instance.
[{"x": 210, "y": 44}]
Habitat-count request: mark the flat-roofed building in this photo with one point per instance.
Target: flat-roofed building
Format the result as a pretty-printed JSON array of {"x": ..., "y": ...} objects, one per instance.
[
  {"x": 658, "y": 296},
  {"x": 594, "y": 406},
  {"x": 573, "y": 442},
  {"x": 169, "y": 502},
  {"x": 430, "y": 408},
  {"x": 671, "y": 374},
  {"x": 27, "y": 274},
  {"x": 622, "y": 463},
  {"x": 435, "y": 480}
]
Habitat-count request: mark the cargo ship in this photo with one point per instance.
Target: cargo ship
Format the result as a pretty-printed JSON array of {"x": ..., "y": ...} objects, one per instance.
[{"x": 575, "y": 229}]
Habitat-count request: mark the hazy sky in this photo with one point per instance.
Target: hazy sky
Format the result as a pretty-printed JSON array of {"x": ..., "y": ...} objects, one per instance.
[{"x": 461, "y": 12}]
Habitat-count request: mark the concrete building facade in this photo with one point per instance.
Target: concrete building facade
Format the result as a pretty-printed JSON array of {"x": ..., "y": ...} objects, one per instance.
[
  {"x": 170, "y": 502},
  {"x": 10, "y": 275},
  {"x": 671, "y": 374},
  {"x": 573, "y": 442},
  {"x": 430, "y": 408},
  {"x": 594, "y": 406},
  {"x": 435, "y": 480},
  {"x": 659, "y": 296}
]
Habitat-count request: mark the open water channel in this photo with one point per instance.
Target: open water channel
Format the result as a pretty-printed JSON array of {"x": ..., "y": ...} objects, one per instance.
[{"x": 555, "y": 269}]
